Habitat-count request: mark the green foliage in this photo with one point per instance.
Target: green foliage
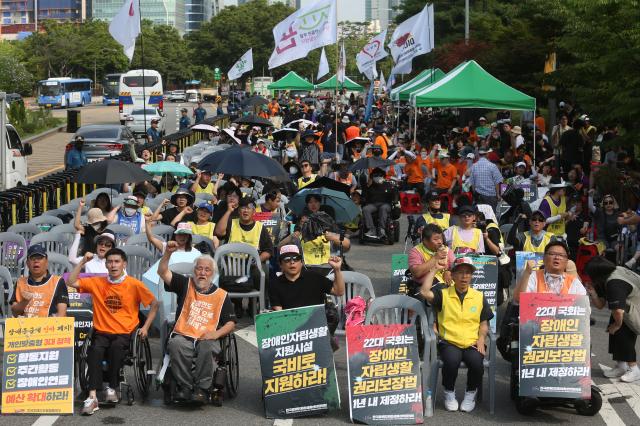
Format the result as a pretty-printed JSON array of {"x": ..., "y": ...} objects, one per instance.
[
  {"x": 14, "y": 76},
  {"x": 29, "y": 122}
]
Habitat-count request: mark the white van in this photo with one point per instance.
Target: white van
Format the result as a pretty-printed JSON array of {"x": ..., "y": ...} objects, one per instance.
[
  {"x": 137, "y": 92},
  {"x": 14, "y": 172},
  {"x": 193, "y": 96}
]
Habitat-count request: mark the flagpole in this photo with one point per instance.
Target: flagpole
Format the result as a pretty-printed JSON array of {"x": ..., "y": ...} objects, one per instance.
[{"x": 144, "y": 93}]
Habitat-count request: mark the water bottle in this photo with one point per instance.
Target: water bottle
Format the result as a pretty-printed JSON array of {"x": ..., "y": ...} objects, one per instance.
[{"x": 429, "y": 405}]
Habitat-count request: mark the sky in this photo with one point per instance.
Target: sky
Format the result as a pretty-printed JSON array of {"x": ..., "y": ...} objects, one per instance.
[{"x": 348, "y": 10}]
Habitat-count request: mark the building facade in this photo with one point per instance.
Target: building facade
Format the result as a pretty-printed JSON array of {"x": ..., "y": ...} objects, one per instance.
[
  {"x": 24, "y": 16},
  {"x": 164, "y": 12},
  {"x": 382, "y": 11},
  {"x": 196, "y": 12}
]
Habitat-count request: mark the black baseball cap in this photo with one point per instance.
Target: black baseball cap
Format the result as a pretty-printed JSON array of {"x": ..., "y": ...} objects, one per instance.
[
  {"x": 246, "y": 201},
  {"x": 466, "y": 209},
  {"x": 36, "y": 250}
]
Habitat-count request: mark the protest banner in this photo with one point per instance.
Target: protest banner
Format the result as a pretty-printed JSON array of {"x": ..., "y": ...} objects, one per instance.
[
  {"x": 399, "y": 266},
  {"x": 485, "y": 280},
  {"x": 298, "y": 373},
  {"x": 37, "y": 368},
  {"x": 272, "y": 225},
  {"x": 530, "y": 191},
  {"x": 385, "y": 385},
  {"x": 554, "y": 346},
  {"x": 521, "y": 261}
]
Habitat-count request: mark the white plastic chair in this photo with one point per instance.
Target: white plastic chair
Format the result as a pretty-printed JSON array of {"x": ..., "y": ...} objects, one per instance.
[
  {"x": 139, "y": 260},
  {"x": 356, "y": 284},
  {"x": 122, "y": 233},
  {"x": 164, "y": 231},
  {"x": 58, "y": 264},
  {"x": 13, "y": 252},
  {"x": 141, "y": 240},
  {"x": 7, "y": 285},
  {"x": 27, "y": 230},
  {"x": 56, "y": 243},
  {"x": 66, "y": 229},
  {"x": 235, "y": 259},
  {"x": 46, "y": 222}
]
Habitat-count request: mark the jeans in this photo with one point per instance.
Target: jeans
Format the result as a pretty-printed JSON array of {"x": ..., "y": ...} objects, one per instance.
[
  {"x": 451, "y": 357},
  {"x": 188, "y": 374},
  {"x": 116, "y": 347},
  {"x": 383, "y": 209}
]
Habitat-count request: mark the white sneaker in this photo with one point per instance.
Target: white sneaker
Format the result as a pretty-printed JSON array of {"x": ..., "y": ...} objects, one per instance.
[
  {"x": 90, "y": 406},
  {"x": 469, "y": 401},
  {"x": 111, "y": 396},
  {"x": 630, "y": 263},
  {"x": 631, "y": 376},
  {"x": 617, "y": 371},
  {"x": 450, "y": 401}
]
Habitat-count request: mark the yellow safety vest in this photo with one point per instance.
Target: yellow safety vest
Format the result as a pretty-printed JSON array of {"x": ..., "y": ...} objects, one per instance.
[
  {"x": 494, "y": 226},
  {"x": 239, "y": 235},
  {"x": 557, "y": 228},
  {"x": 443, "y": 223},
  {"x": 316, "y": 252},
  {"x": 457, "y": 241},
  {"x": 427, "y": 255},
  {"x": 302, "y": 183},
  {"x": 205, "y": 230},
  {"x": 459, "y": 322},
  {"x": 206, "y": 190},
  {"x": 528, "y": 242}
]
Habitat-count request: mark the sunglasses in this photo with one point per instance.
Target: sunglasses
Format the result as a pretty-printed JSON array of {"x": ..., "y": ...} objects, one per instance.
[
  {"x": 608, "y": 202},
  {"x": 304, "y": 166},
  {"x": 290, "y": 259},
  {"x": 537, "y": 219}
]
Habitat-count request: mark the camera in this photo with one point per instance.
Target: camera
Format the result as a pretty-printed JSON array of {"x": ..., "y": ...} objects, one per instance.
[{"x": 482, "y": 225}]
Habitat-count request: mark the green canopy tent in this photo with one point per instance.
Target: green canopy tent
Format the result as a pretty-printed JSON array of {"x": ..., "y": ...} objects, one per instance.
[
  {"x": 470, "y": 86},
  {"x": 348, "y": 84},
  {"x": 419, "y": 82},
  {"x": 291, "y": 81}
]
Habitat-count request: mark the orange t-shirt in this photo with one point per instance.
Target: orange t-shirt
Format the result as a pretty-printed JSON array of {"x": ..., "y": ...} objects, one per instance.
[
  {"x": 541, "y": 124},
  {"x": 352, "y": 132},
  {"x": 446, "y": 175},
  {"x": 461, "y": 168},
  {"x": 116, "y": 306},
  {"x": 382, "y": 142},
  {"x": 414, "y": 172}
]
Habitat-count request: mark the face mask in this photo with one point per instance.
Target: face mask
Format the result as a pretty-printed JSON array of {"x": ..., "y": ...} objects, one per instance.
[
  {"x": 130, "y": 211},
  {"x": 291, "y": 152},
  {"x": 424, "y": 155},
  {"x": 293, "y": 170},
  {"x": 97, "y": 226},
  {"x": 378, "y": 179}
]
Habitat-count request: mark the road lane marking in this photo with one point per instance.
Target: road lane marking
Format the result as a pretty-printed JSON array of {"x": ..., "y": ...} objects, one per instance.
[
  {"x": 607, "y": 412},
  {"x": 248, "y": 334},
  {"x": 54, "y": 169},
  {"x": 629, "y": 391},
  {"x": 45, "y": 421}
]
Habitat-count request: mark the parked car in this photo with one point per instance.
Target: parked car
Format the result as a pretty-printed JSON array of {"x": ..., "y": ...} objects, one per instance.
[
  {"x": 102, "y": 140},
  {"x": 178, "y": 96},
  {"x": 136, "y": 120},
  {"x": 14, "y": 97}
]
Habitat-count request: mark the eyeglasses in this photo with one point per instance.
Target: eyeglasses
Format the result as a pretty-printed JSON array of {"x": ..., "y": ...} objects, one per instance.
[
  {"x": 304, "y": 166},
  {"x": 608, "y": 202},
  {"x": 291, "y": 259},
  {"x": 105, "y": 243},
  {"x": 557, "y": 255}
]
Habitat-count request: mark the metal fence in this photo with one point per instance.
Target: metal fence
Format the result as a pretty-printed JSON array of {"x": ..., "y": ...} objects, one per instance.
[{"x": 20, "y": 204}]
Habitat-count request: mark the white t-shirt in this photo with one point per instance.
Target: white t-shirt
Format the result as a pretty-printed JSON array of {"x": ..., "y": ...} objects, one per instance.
[{"x": 554, "y": 282}]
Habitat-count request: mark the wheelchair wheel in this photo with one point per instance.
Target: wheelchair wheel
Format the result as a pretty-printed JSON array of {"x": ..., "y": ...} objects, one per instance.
[
  {"x": 396, "y": 231},
  {"x": 142, "y": 365},
  {"x": 592, "y": 406},
  {"x": 82, "y": 365},
  {"x": 230, "y": 361}
]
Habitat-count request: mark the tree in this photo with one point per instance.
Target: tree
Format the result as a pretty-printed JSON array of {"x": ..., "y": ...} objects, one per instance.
[{"x": 14, "y": 76}]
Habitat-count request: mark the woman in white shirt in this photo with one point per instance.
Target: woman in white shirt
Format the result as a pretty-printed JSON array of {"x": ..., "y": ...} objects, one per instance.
[{"x": 104, "y": 242}]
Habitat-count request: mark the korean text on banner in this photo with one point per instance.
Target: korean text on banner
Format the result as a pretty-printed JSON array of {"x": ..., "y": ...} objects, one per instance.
[
  {"x": 308, "y": 28},
  {"x": 243, "y": 65},
  {"x": 37, "y": 368}
]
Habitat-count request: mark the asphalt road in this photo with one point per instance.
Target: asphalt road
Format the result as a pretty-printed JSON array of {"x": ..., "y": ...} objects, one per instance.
[{"x": 621, "y": 401}]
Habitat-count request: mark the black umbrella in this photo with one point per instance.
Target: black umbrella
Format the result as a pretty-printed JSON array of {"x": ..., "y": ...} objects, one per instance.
[
  {"x": 325, "y": 182},
  {"x": 254, "y": 120},
  {"x": 369, "y": 163},
  {"x": 255, "y": 101},
  {"x": 111, "y": 171},
  {"x": 240, "y": 160},
  {"x": 284, "y": 134}
]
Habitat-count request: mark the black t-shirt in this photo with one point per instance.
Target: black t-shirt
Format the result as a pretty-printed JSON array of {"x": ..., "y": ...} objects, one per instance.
[
  {"x": 170, "y": 214},
  {"x": 179, "y": 285},
  {"x": 616, "y": 293},
  {"x": 265, "y": 244},
  {"x": 309, "y": 289},
  {"x": 485, "y": 315},
  {"x": 61, "y": 294}
]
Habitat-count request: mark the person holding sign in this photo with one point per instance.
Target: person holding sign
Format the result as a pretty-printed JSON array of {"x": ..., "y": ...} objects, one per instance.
[
  {"x": 40, "y": 294},
  {"x": 204, "y": 315},
  {"x": 466, "y": 238},
  {"x": 116, "y": 308},
  {"x": 553, "y": 279},
  {"x": 463, "y": 324},
  {"x": 535, "y": 239},
  {"x": 618, "y": 286},
  {"x": 429, "y": 254}
]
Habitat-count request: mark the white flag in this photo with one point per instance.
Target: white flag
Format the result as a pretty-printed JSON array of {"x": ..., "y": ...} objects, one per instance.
[
  {"x": 306, "y": 29},
  {"x": 383, "y": 83},
  {"x": 125, "y": 26},
  {"x": 323, "y": 68},
  {"x": 342, "y": 65},
  {"x": 244, "y": 64},
  {"x": 372, "y": 52},
  {"x": 412, "y": 38}
]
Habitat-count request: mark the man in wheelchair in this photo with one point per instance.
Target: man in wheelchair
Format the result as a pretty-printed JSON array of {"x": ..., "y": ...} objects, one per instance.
[
  {"x": 204, "y": 315},
  {"x": 379, "y": 196},
  {"x": 116, "y": 308}
]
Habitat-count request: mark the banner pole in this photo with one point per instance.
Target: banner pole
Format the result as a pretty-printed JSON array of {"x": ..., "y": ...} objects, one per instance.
[{"x": 144, "y": 89}]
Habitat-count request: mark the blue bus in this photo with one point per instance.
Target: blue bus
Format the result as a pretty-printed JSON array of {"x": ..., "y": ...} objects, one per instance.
[
  {"x": 111, "y": 89},
  {"x": 64, "y": 92}
]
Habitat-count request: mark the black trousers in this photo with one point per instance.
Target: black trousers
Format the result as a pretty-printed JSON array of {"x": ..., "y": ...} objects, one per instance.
[
  {"x": 451, "y": 357},
  {"x": 622, "y": 345},
  {"x": 115, "y": 346}
]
